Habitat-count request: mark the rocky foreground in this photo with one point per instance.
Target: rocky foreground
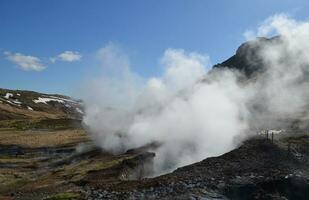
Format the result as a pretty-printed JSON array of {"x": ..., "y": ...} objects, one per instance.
[
  {"x": 258, "y": 169},
  {"x": 73, "y": 168}
]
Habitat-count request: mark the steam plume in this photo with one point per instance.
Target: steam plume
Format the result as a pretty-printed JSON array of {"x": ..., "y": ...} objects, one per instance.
[{"x": 194, "y": 113}]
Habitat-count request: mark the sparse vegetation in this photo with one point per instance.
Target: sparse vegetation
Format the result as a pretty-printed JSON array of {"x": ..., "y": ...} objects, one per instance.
[
  {"x": 47, "y": 124},
  {"x": 78, "y": 171},
  {"x": 64, "y": 196},
  {"x": 37, "y": 139}
]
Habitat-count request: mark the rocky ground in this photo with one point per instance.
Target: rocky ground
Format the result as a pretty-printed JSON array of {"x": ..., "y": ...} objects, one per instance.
[
  {"x": 58, "y": 164},
  {"x": 258, "y": 169}
]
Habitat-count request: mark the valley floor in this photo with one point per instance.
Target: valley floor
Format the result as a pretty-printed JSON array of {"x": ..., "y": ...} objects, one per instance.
[{"x": 56, "y": 160}]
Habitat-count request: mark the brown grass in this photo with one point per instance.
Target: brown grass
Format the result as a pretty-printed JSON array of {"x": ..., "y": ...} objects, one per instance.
[
  {"x": 30, "y": 114},
  {"x": 36, "y": 139}
]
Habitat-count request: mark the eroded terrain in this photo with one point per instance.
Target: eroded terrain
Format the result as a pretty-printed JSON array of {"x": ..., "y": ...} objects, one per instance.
[{"x": 58, "y": 162}]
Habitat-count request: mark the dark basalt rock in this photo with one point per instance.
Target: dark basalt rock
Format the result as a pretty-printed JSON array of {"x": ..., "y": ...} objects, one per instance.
[
  {"x": 258, "y": 169},
  {"x": 247, "y": 58}
]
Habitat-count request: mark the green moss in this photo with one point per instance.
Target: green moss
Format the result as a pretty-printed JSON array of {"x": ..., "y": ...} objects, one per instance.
[
  {"x": 64, "y": 196},
  {"x": 77, "y": 171},
  {"x": 51, "y": 124},
  {"x": 11, "y": 184}
]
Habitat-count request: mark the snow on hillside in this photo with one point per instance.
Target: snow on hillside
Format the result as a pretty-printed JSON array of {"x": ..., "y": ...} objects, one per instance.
[
  {"x": 33, "y": 101},
  {"x": 13, "y": 100},
  {"x": 45, "y": 100},
  {"x": 8, "y": 95},
  {"x": 67, "y": 100},
  {"x": 29, "y": 108}
]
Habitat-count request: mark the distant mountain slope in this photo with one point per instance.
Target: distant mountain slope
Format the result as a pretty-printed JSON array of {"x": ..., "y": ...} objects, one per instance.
[{"x": 19, "y": 104}]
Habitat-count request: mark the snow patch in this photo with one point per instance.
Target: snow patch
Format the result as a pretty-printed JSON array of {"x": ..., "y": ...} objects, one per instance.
[
  {"x": 276, "y": 131},
  {"x": 29, "y": 108},
  {"x": 16, "y": 102},
  {"x": 67, "y": 100},
  {"x": 45, "y": 100},
  {"x": 8, "y": 95},
  {"x": 18, "y": 94},
  {"x": 271, "y": 131}
]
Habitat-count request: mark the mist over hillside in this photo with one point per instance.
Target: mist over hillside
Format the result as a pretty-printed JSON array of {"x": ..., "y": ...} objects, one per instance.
[{"x": 194, "y": 113}]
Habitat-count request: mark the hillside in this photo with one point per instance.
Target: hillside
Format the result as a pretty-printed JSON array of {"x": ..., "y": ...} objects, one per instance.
[
  {"x": 247, "y": 59},
  {"x": 28, "y": 109},
  {"x": 19, "y": 104},
  {"x": 45, "y": 152}
]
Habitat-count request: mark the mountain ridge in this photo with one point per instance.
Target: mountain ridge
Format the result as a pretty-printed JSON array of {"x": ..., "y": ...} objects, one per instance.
[
  {"x": 246, "y": 58},
  {"x": 23, "y": 104}
]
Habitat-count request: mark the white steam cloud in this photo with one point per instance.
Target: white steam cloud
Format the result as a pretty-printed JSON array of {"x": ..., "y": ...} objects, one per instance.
[{"x": 193, "y": 113}]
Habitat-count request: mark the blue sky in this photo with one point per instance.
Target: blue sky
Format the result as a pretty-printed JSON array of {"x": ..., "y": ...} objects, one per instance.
[{"x": 65, "y": 35}]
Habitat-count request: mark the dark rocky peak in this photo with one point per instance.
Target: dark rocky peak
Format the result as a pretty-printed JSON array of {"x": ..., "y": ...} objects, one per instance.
[{"x": 247, "y": 58}]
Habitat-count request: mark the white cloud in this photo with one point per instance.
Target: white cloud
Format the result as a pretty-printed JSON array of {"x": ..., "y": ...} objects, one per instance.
[
  {"x": 67, "y": 56},
  {"x": 25, "y": 62}
]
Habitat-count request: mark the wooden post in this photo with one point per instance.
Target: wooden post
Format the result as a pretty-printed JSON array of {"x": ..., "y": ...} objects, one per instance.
[
  {"x": 267, "y": 134},
  {"x": 272, "y": 137}
]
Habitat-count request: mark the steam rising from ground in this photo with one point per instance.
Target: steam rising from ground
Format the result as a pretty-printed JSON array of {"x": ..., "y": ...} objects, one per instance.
[{"x": 193, "y": 113}]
